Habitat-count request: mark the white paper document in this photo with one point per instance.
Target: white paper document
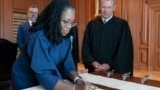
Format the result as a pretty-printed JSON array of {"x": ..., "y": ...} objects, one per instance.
[
  {"x": 115, "y": 83},
  {"x": 39, "y": 87},
  {"x": 108, "y": 82}
]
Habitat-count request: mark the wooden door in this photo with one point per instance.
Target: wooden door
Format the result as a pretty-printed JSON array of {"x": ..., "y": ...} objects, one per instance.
[{"x": 149, "y": 47}]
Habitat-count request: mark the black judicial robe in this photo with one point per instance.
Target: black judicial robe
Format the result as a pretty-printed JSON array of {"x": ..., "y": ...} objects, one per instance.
[
  {"x": 108, "y": 43},
  {"x": 75, "y": 49}
]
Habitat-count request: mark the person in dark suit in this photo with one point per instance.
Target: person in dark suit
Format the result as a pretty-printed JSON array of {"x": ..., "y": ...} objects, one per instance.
[{"x": 24, "y": 27}]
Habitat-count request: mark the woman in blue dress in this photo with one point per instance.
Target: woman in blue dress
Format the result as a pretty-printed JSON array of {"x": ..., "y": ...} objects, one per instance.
[{"x": 46, "y": 58}]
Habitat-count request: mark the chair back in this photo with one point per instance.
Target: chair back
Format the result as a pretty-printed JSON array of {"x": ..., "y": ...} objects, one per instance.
[{"x": 8, "y": 53}]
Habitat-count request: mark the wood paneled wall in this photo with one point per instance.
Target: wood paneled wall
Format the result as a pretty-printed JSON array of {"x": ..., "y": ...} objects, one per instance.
[
  {"x": 144, "y": 20},
  {"x": 8, "y": 7},
  {"x": 22, "y": 5}
]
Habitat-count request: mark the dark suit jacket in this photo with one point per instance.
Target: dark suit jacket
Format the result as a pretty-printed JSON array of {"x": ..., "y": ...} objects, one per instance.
[{"x": 23, "y": 31}]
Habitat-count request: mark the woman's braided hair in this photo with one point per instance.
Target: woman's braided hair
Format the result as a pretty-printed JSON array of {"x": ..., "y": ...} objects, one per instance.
[{"x": 50, "y": 19}]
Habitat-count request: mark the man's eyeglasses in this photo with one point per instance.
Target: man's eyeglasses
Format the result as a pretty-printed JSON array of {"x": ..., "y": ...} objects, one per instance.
[
  {"x": 33, "y": 12},
  {"x": 67, "y": 23}
]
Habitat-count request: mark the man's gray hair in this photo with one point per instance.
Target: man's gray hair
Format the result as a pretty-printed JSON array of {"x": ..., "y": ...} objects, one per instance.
[{"x": 108, "y": 0}]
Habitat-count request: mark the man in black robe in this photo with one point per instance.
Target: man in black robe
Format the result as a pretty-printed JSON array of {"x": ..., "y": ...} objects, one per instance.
[{"x": 107, "y": 46}]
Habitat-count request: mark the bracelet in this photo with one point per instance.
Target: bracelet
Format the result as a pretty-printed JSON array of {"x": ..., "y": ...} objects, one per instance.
[
  {"x": 74, "y": 87},
  {"x": 77, "y": 78}
]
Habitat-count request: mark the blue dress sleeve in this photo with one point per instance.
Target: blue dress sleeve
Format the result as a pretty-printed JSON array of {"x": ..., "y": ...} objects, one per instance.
[
  {"x": 45, "y": 58},
  {"x": 69, "y": 62},
  {"x": 42, "y": 64}
]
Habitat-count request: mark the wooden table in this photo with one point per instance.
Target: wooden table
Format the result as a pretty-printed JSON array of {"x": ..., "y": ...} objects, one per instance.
[
  {"x": 131, "y": 79},
  {"x": 116, "y": 76}
]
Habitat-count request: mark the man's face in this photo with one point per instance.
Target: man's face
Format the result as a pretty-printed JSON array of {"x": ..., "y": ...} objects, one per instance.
[
  {"x": 107, "y": 7},
  {"x": 32, "y": 14}
]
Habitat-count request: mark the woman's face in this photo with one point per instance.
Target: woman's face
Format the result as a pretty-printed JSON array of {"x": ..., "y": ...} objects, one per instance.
[{"x": 67, "y": 21}]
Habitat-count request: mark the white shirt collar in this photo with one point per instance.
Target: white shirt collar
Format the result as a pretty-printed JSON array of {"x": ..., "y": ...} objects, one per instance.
[
  {"x": 30, "y": 22},
  {"x": 106, "y": 20}
]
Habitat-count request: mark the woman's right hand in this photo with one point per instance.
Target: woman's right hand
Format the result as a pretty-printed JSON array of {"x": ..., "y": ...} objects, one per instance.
[{"x": 82, "y": 85}]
